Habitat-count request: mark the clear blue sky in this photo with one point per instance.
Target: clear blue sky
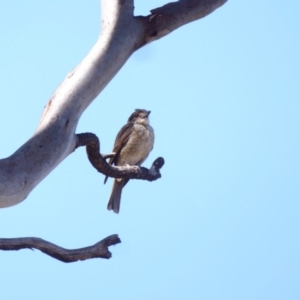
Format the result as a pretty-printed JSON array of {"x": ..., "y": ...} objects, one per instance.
[{"x": 223, "y": 222}]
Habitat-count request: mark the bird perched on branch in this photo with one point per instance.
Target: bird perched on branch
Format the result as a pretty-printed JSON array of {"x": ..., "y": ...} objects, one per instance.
[{"x": 132, "y": 146}]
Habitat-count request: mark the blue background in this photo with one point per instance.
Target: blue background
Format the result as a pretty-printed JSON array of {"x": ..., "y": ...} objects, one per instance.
[{"x": 223, "y": 221}]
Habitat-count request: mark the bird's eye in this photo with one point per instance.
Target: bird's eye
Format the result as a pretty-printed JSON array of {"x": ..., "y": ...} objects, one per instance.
[{"x": 133, "y": 117}]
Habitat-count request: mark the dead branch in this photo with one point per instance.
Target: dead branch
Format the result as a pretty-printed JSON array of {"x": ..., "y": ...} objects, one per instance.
[
  {"x": 121, "y": 35},
  {"x": 99, "y": 250},
  {"x": 98, "y": 161},
  {"x": 163, "y": 20}
]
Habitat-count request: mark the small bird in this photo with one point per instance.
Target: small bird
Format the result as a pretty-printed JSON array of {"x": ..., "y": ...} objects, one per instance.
[{"x": 132, "y": 146}]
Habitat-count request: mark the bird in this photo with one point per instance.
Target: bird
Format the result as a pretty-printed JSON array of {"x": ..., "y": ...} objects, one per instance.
[{"x": 132, "y": 146}]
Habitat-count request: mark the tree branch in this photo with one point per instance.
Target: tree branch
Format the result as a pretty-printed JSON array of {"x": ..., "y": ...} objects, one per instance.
[
  {"x": 99, "y": 250},
  {"x": 98, "y": 161},
  {"x": 163, "y": 20},
  {"x": 54, "y": 139}
]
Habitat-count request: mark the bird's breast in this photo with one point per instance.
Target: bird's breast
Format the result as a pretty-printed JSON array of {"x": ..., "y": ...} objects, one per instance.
[{"x": 138, "y": 147}]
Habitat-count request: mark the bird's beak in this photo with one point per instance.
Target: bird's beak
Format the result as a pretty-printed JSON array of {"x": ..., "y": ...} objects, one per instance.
[{"x": 146, "y": 114}]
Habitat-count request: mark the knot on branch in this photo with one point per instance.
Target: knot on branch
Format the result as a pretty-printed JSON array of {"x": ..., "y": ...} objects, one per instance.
[{"x": 98, "y": 161}]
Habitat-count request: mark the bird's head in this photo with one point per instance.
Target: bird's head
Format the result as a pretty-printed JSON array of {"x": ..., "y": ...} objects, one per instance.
[{"x": 140, "y": 116}]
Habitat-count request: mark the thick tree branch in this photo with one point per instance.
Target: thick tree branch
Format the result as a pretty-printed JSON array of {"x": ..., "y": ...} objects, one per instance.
[
  {"x": 98, "y": 161},
  {"x": 54, "y": 139},
  {"x": 163, "y": 20},
  {"x": 99, "y": 250}
]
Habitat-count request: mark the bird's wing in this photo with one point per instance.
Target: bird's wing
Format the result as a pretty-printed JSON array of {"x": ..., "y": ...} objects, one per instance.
[{"x": 121, "y": 140}]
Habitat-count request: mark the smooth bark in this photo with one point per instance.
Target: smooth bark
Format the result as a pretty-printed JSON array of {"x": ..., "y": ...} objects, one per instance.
[{"x": 55, "y": 138}]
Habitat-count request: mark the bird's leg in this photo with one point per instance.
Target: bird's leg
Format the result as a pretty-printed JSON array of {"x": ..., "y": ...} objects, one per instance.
[{"x": 106, "y": 156}]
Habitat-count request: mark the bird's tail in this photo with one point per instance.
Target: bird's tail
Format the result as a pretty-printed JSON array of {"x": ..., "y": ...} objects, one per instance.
[{"x": 115, "y": 196}]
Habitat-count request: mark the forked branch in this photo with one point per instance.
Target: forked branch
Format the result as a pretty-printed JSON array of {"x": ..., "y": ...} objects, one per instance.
[{"x": 121, "y": 35}]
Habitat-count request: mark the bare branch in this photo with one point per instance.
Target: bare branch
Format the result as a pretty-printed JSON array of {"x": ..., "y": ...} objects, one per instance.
[
  {"x": 99, "y": 250},
  {"x": 98, "y": 161},
  {"x": 55, "y": 136},
  {"x": 163, "y": 20},
  {"x": 54, "y": 139}
]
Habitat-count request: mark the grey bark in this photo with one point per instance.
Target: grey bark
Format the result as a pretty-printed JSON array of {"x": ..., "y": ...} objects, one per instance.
[{"x": 54, "y": 139}]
